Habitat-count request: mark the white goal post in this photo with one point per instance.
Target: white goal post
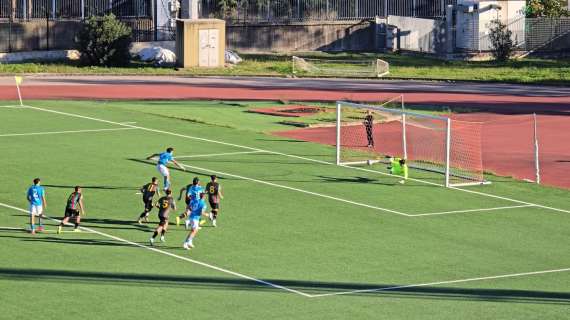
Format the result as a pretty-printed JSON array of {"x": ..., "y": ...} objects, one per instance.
[{"x": 440, "y": 148}]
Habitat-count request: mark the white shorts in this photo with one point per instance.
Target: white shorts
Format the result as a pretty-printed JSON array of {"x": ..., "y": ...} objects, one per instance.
[
  {"x": 163, "y": 170},
  {"x": 36, "y": 210},
  {"x": 195, "y": 223}
]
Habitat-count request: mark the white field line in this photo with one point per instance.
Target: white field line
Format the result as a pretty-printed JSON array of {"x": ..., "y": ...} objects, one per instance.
[
  {"x": 216, "y": 154},
  {"x": 24, "y": 229},
  {"x": 470, "y": 210},
  {"x": 295, "y": 189},
  {"x": 203, "y": 264},
  {"x": 62, "y": 132},
  {"x": 289, "y": 155},
  {"x": 13, "y": 107},
  {"x": 512, "y": 275}
]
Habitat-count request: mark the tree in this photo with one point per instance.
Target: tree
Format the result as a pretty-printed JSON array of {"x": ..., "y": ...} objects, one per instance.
[
  {"x": 546, "y": 8},
  {"x": 501, "y": 40},
  {"x": 104, "y": 41}
]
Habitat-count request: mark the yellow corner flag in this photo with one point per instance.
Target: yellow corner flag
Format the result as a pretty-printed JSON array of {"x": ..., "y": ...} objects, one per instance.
[{"x": 18, "y": 80}]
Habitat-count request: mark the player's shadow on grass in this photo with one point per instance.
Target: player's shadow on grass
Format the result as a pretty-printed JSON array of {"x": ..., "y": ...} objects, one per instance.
[
  {"x": 113, "y": 223},
  {"x": 314, "y": 287},
  {"x": 90, "y": 187},
  {"x": 359, "y": 180},
  {"x": 73, "y": 241}
]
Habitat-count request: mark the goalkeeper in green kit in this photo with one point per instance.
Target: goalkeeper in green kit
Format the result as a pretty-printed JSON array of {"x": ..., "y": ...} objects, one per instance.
[{"x": 399, "y": 167}]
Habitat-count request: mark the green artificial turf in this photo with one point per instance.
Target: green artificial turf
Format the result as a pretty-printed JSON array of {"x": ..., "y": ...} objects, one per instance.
[{"x": 286, "y": 219}]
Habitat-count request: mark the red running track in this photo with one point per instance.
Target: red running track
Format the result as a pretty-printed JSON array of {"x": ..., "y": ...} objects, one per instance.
[
  {"x": 507, "y": 144},
  {"x": 507, "y": 150}
]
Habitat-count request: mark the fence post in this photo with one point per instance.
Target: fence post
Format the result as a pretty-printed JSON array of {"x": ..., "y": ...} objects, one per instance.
[
  {"x": 385, "y": 8},
  {"x": 82, "y": 10},
  {"x": 53, "y": 9}
]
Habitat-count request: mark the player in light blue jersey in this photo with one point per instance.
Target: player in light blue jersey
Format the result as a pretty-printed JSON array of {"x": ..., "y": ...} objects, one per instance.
[
  {"x": 192, "y": 192},
  {"x": 36, "y": 196},
  {"x": 196, "y": 209},
  {"x": 163, "y": 160}
]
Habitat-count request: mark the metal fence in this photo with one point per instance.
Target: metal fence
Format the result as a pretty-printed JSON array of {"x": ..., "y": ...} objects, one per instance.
[
  {"x": 533, "y": 34},
  {"x": 319, "y": 10},
  {"x": 73, "y": 9}
]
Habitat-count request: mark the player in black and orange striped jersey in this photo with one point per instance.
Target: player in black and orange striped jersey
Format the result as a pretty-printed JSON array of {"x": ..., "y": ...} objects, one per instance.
[
  {"x": 214, "y": 191},
  {"x": 164, "y": 205},
  {"x": 74, "y": 209},
  {"x": 148, "y": 191}
]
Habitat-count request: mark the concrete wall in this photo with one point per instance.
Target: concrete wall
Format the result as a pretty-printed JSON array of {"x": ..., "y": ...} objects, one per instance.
[
  {"x": 33, "y": 35},
  {"x": 307, "y": 36},
  {"x": 421, "y": 35}
]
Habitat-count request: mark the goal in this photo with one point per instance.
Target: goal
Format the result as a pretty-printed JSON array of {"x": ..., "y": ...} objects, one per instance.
[
  {"x": 443, "y": 150},
  {"x": 336, "y": 67}
]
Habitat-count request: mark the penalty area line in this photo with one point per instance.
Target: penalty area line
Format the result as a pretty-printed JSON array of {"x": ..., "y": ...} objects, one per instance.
[
  {"x": 200, "y": 263},
  {"x": 419, "y": 285},
  {"x": 289, "y": 155},
  {"x": 295, "y": 189},
  {"x": 62, "y": 132},
  {"x": 217, "y": 154},
  {"x": 470, "y": 210}
]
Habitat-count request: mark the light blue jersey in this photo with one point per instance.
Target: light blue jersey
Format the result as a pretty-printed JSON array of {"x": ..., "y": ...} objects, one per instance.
[
  {"x": 35, "y": 195},
  {"x": 193, "y": 191},
  {"x": 197, "y": 206},
  {"x": 164, "y": 158}
]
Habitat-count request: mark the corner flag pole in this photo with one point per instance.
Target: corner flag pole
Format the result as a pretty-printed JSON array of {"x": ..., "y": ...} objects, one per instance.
[{"x": 18, "y": 82}]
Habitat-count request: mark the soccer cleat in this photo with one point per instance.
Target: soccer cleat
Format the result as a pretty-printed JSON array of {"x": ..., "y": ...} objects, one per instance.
[
  {"x": 185, "y": 245},
  {"x": 151, "y": 241},
  {"x": 76, "y": 230},
  {"x": 40, "y": 228},
  {"x": 59, "y": 229},
  {"x": 190, "y": 244},
  {"x": 177, "y": 221},
  {"x": 146, "y": 219},
  {"x": 139, "y": 221},
  {"x": 33, "y": 231},
  {"x": 214, "y": 222},
  {"x": 202, "y": 222},
  {"x": 162, "y": 239}
]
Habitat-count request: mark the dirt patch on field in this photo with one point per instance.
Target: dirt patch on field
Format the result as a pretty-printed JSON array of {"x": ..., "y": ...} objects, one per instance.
[{"x": 290, "y": 111}]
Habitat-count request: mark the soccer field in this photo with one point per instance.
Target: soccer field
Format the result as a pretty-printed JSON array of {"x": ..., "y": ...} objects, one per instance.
[{"x": 297, "y": 237}]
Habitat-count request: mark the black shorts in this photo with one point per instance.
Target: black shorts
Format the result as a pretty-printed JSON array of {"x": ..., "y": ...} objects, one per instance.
[
  {"x": 163, "y": 220},
  {"x": 71, "y": 213},
  {"x": 147, "y": 204},
  {"x": 214, "y": 205}
]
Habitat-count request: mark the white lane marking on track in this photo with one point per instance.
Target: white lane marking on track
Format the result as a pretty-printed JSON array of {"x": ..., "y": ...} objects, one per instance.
[
  {"x": 470, "y": 210},
  {"x": 289, "y": 155},
  {"x": 62, "y": 132},
  {"x": 511, "y": 275},
  {"x": 203, "y": 264}
]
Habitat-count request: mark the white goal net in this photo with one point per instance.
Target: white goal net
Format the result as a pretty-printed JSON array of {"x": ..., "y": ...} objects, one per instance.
[
  {"x": 337, "y": 67},
  {"x": 448, "y": 149}
]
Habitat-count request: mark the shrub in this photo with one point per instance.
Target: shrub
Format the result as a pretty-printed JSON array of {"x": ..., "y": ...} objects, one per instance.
[
  {"x": 501, "y": 40},
  {"x": 104, "y": 41}
]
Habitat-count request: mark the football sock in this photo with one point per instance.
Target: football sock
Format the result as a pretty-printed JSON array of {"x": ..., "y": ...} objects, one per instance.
[
  {"x": 154, "y": 234},
  {"x": 166, "y": 183},
  {"x": 76, "y": 225},
  {"x": 162, "y": 232}
]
